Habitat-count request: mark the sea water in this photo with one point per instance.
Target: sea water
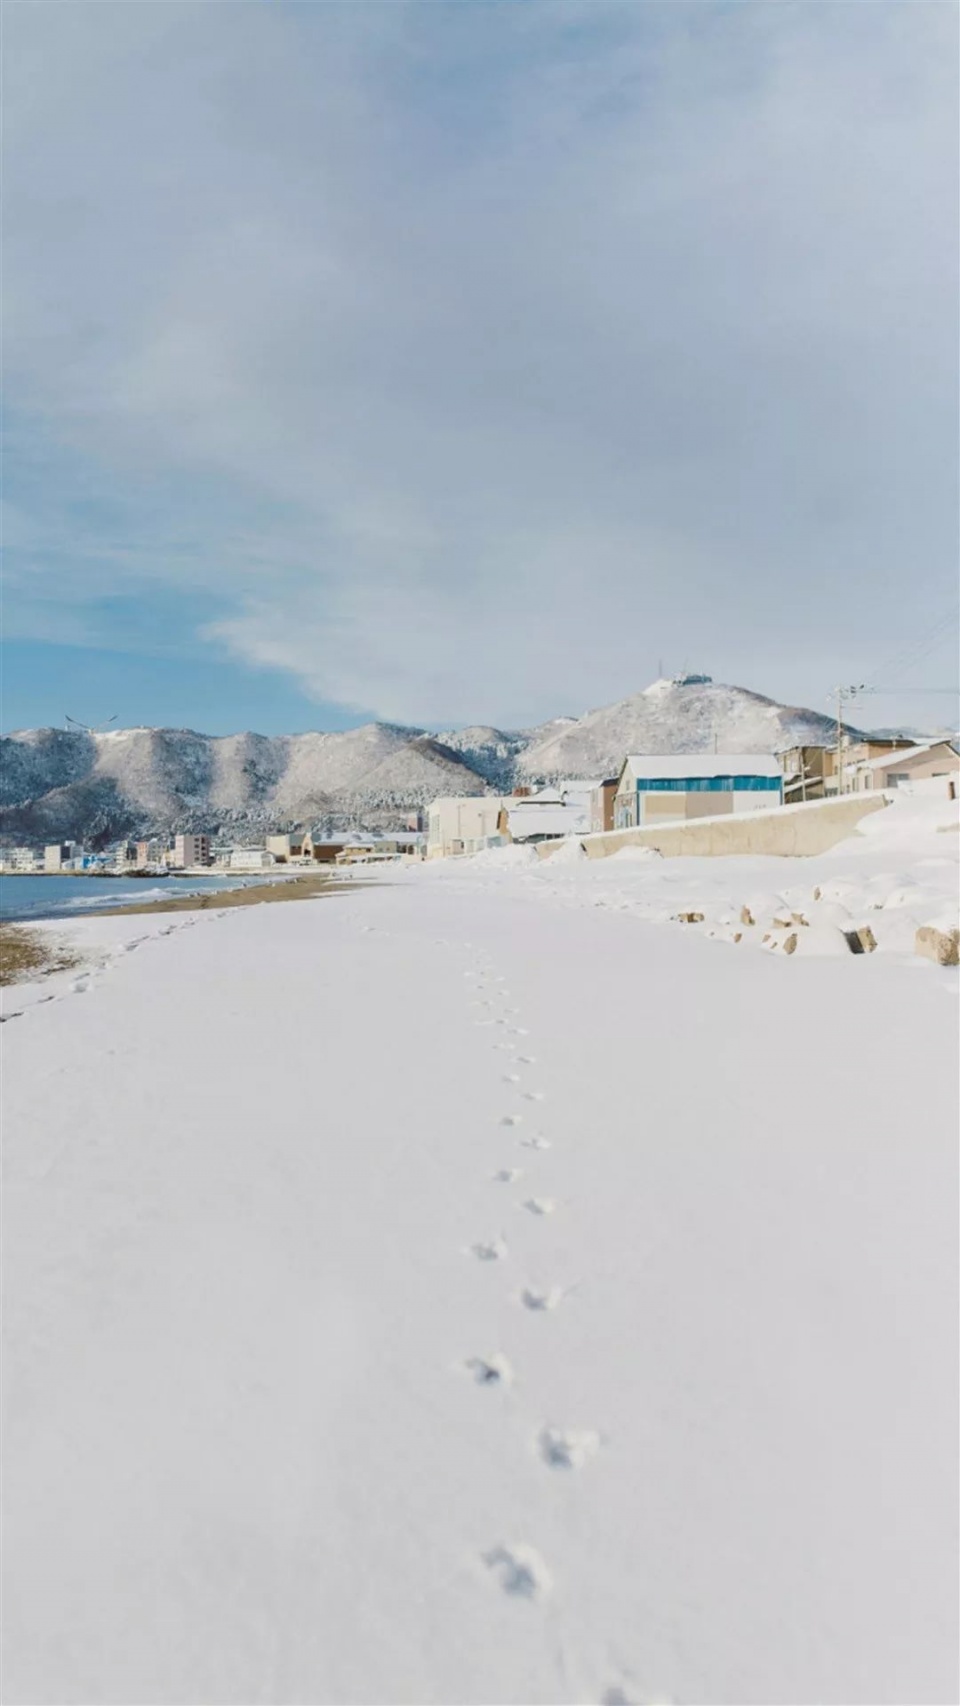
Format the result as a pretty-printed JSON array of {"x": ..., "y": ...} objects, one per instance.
[{"x": 23, "y": 898}]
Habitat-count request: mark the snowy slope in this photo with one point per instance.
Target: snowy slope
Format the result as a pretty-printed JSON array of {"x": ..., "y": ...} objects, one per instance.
[
  {"x": 703, "y": 716},
  {"x": 492, "y": 753},
  {"x": 135, "y": 780},
  {"x": 580, "y": 1328}
]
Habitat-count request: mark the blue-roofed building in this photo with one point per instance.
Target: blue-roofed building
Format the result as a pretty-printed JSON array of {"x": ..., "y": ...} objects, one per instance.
[{"x": 652, "y": 790}]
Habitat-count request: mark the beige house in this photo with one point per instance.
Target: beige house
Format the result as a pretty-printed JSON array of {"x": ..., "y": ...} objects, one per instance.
[
  {"x": 857, "y": 752},
  {"x": 465, "y": 824},
  {"x": 812, "y": 772},
  {"x": 917, "y": 763},
  {"x": 285, "y": 847}
]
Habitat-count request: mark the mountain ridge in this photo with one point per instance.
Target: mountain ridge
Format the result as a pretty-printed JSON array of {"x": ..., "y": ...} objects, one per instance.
[{"x": 78, "y": 785}]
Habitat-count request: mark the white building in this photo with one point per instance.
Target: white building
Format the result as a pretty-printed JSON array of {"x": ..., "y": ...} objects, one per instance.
[
  {"x": 563, "y": 809},
  {"x": 22, "y": 859},
  {"x": 469, "y": 823},
  {"x": 251, "y": 859},
  {"x": 464, "y": 824},
  {"x": 189, "y": 850},
  {"x": 664, "y": 788}
]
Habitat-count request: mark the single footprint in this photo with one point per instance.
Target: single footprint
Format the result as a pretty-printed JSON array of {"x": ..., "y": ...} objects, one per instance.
[
  {"x": 537, "y": 1142},
  {"x": 80, "y": 985},
  {"x": 507, "y": 1175},
  {"x": 520, "y": 1570},
  {"x": 511, "y": 1078},
  {"x": 526, "y": 1059},
  {"x": 567, "y": 1448},
  {"x": 534, "y": 1095},
  {"x": 493, "y": 1251},
  {"x": 511, "y": 1119},
  {"x": 491, "y": 1371},
  {"x": 518, "y": 1031},
  {"x": 541, "y": 1300},
  {"x": 540, "y": 1205}
]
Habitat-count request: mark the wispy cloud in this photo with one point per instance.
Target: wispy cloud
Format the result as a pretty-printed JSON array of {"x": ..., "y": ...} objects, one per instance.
[{"x": 469, "y": 358}]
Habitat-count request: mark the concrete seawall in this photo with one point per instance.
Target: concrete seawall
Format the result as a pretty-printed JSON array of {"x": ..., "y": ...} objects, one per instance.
[{"x": 787, "y": 831}]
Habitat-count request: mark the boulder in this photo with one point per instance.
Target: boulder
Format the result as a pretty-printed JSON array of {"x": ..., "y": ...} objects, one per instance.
[
  {"x": 941, "y": 946},
  {"x": 862, "y": 940}
]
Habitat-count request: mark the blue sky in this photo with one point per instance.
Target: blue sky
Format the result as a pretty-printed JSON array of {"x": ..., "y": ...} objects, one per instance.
[{"x": 454, "y": 363}]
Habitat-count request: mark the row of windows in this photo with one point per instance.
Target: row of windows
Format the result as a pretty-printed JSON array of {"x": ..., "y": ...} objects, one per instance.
[{"x": 708, "y": 784}]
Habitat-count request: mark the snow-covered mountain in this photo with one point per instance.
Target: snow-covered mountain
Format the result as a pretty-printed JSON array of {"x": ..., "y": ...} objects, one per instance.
[
  {"x": 693, "y": 714},
  {"x": 130, "y": 781},
  {"x": 93, "y": 787}
]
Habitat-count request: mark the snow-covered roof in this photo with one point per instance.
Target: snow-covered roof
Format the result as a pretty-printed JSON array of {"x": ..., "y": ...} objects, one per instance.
[
  {"x": 903, "y": 754},
  {"x": 680, "y": 765},
  {"x": 526, "y": 819}
]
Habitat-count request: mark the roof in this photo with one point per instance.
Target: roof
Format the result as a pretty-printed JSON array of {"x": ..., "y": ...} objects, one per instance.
[
  {"x": 546, "y": 821},
  {"x": 679, "y": 766},
  {"x": 902, "y": 755},
  {"x": 524, "y": 819}
]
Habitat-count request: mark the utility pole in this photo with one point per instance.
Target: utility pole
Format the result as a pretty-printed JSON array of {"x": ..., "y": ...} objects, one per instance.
[{"x": 841, "y": 694}]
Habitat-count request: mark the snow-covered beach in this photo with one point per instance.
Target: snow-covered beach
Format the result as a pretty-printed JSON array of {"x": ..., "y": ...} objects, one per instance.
[{"x": 457, "y": 1290}]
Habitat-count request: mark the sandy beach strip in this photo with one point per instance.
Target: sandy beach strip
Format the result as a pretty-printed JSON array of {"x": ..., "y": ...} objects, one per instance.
[{"x": 305, "y": 887}]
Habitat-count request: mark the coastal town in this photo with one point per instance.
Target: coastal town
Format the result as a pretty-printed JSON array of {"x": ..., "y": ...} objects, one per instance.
[{"x": 651, "y": 792}]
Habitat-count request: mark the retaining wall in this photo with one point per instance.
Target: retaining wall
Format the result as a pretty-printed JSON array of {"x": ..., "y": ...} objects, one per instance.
[{"x": 788, "y": 831}]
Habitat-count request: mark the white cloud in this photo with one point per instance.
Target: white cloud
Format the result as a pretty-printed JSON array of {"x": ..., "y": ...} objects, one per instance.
[{"x": 500, "y": 351}]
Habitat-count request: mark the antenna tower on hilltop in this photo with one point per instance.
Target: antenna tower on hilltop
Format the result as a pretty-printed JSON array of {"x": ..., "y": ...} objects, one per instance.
[{"x": 89, "y": 728}]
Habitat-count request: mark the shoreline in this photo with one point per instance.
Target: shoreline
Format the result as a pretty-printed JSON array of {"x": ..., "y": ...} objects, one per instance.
[
  {"x": 304, "y": 887},
  {"x": 33, "y": 948}
]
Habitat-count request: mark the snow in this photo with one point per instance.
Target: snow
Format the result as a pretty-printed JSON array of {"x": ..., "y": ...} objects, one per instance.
[
  {"x": 898, "y": 872},
  {"x": 681, "y": 765},
  {"x": 674, "y": 717},
  {"x": 57, "y": 783},
  {"x": 309, "y": 1398}
]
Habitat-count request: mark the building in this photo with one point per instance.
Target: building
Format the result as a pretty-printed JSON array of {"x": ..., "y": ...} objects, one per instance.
[
  {"x": 549, "y": 813},
  {"x": 857, "y": 752},
  {"x": 464, "y": 824},
  {"x": 22, "y": 859},
  {"x": 601, "y": 805},
  {"x": 149, "y": 853},
  {"x": 60, "y": 854},
  {"x": 251, "y": 859},
  {"x": 916, "y": 763},
  {"x": 469, "y": 823},
  {"x": 812, "y": 772},
  {"x": 285, "y": 847},
  {"x": 654, "y": 790},
  {"x": 190, "y": 850},
  {"x": 809, "y": 772}
]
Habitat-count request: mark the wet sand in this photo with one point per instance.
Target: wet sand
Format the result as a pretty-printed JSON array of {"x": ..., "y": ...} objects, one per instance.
[{"x": 306, "y": 887}]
